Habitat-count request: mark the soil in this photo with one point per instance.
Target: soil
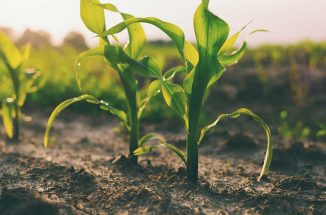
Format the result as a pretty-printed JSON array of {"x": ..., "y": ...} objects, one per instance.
[{"x": 85, "y": 172}]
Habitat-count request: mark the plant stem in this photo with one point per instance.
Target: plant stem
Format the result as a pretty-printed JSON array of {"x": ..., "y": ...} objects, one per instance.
[
  {"x": 17, "y": 123},
  {"x": 134, "y": 125},
  {"x": 134, "y": 136},
  {"x": 192, "y": 158},
  {"x": 192, "y": 138},
  {"x": 130, "y": 88},
  {"x": 195, "y": 106},
  {"x": 16, "y": 83}
]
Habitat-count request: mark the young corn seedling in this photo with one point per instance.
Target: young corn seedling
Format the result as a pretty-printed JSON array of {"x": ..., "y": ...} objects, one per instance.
[
  {"x": 125, "y": 61},
  {"x": 205, "y": 65},
  {"x": 22, "y": 81}
]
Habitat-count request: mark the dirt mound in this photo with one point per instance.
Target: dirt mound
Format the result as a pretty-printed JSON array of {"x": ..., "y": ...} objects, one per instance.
[{"x": 296, "y": 158}]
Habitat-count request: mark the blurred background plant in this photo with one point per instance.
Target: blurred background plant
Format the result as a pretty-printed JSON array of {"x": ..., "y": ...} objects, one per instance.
[
  {"x": 291, "y": 131},
  {"x": 18, "y": 82}
]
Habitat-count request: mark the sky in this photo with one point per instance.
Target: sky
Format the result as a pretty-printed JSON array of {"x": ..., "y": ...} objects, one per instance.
[{"x": 288, "y": 21}]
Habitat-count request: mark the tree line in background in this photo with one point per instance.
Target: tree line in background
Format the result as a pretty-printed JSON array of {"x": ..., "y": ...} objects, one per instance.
[{"x": 39, "y": 39}]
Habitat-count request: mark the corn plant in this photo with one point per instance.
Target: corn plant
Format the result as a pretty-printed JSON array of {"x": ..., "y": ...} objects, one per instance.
[
  {"x": 21, "y": 81},
  {"x": 204, "y": 65},
  {"x": 125, "y": 61}
]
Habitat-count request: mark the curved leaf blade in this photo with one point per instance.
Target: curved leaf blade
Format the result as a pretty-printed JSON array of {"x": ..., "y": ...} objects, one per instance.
[
  {"x": 153, "y": 90},
  {"x": 211, "y": 33},
  {"x": 147, "y": 67},
  {"x": 98, "y": 51},
  {"x": 176, "y": 150},
  {"x": 116, "y": 112},
  {"x": 175, "y": 98},
  {"x": 259, "y": 30},
  {"x": 229, "y": 43},
  {"x": 173, "y": 31},
  {"x": 61, "y": 107},
  {"x": 92, "y": 15},
  {"x": 170, "y": 74},
  {"x": 26, "y": 51},
  {"x": 150, "y": 137},
  {"x": 10, "y": 51},
  {"x": 236, "y": 114},
  {"x": 191, "y": 54},
  {"x": 188, "y": 82},
  {"x": 137, "y": 37},
  {"x": 233, "y": 58}
]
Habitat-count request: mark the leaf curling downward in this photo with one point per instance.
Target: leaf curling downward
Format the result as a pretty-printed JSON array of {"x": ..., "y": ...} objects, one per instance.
[{"x": 236, "y": 114}]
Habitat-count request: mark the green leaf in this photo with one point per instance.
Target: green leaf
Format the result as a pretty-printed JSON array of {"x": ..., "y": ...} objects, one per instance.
[
  {"x": 217, "y": 76},
  {"x": 90, "y": 99},
  {"x": 233, "y": 58},
  {"x": 109, "y": 7},
  {"x": 169, "y": 75},
  {"x": 28, "y": 84},
  {"x": 188, "y": 82},
  {"x": 143, "y": 105},
  {"x": 147, "y": 67},
  {"x": 115, "y": 55},
  {"x": 26, "y": 51},
  {"x": 229, "y": 43},
  {"x": 59, "y": 109},
  {"x": 259, "y": 30},
  {"x": 149, "y": 138},
  {"x": 92, "y": 15},
  {"x": 3, "y": 67},
  {"x": 236, "y": 114},
  {"x": 173, "y": 31},
  {"x": 211, "y": 33},
  {"x": 205, "y": 3},
  {"x": 137, "y": 37},
  {"x": 175, "y": 98},
  {"x": 10, "y": 52},
  {"x": 6, "y": 119},
  {"x": 119, "y": 113},
  {"x": 229, "y": 58},
  {"x": 146, "y": 149},
  {"x": 98, "y": 51},
  {"x": 191, "y": 54},
  {"x": 153, "y": 89}
]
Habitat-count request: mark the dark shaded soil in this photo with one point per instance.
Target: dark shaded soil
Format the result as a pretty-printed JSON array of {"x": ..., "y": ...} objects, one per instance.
[{"x": 84, "y": 172}]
